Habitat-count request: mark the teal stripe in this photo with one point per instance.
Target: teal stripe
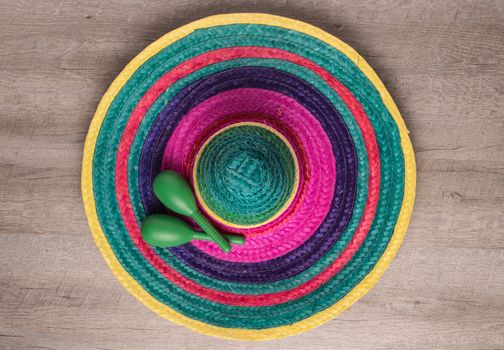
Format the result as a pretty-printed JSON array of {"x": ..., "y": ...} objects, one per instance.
[{"x": 362, "y": 178}]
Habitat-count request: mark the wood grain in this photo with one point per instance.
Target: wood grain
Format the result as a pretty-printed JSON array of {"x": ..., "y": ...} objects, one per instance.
[{"x": 443, "y": 62}]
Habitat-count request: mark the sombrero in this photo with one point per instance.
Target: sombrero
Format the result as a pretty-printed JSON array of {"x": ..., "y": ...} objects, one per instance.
[{"x": 288, "y": 137}]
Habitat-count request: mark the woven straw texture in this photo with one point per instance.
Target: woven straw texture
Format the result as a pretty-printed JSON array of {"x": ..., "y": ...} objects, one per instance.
[
  {"x": 247, "y": 172},
  {"x": 287, "y": 137}
]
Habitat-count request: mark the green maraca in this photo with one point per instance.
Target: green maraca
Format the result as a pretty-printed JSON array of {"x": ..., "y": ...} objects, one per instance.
[
  {"x": 168, "y": 231},
  {"x": 174, "y": 192}
]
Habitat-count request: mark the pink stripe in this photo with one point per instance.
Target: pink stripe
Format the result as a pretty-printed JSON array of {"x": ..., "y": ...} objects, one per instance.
[{"x": 317, "y": 200}]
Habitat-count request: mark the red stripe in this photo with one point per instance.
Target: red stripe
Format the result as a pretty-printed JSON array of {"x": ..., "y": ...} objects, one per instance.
[{"x": 175, "y": 277}]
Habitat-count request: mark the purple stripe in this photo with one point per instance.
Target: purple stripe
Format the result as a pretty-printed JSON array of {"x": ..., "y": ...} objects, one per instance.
[{"x": 336, "y": 220}]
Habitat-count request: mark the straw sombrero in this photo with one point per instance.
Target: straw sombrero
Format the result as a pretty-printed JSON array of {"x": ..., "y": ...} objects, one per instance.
[{"x": 287, "y": 137}]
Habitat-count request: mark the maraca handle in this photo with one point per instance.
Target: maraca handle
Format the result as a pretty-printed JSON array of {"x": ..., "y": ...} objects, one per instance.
[
  {"x": 233, "y": 239},
  {"x": 211, "y": 231}
]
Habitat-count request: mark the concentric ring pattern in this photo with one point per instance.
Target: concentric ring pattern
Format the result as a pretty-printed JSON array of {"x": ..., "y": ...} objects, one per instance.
[{"x": 287, "y": 137}]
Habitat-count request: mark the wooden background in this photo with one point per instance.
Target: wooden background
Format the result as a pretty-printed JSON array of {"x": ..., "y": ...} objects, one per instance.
[{"x": 443, "y": 62}]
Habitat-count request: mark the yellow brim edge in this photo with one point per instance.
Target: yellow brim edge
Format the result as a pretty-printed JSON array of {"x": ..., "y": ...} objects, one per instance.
[{"x": 235, "y": 333}]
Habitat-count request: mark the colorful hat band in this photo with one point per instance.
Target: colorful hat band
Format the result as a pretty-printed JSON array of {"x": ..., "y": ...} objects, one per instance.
[{"x": 247, "y": 171}]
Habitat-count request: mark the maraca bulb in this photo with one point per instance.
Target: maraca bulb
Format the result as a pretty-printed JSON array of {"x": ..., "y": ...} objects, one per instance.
[
  {"x": 168, "y": 231},
  {"x": 165, "y": 231},
  {"x": 174, "y": 192}
]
